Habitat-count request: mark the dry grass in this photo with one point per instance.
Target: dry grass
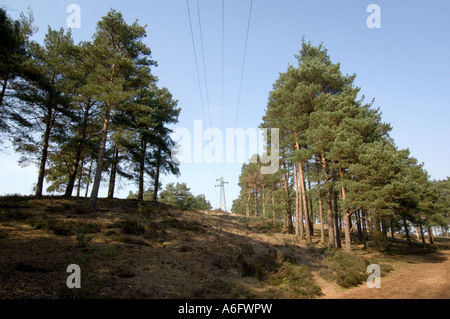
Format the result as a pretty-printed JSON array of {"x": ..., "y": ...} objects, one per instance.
[{"x": 129, "y": 249}]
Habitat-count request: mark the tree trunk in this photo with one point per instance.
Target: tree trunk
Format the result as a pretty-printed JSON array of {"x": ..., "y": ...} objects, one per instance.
[
  {"x": 311, "y": 214},
  {"x": 273, "y": 206},
  {"x": 322, "y": 226},
  {"x": 347, "y": 222},
  {"x": 263, "y": 202},
  {"x": 112, "y": 176},
  {"x": 288, "y": 203},
  {"x": 331, "y": 235},
  {"x": 141, "y": 169},
  {"x": 417, "y": 232},
  {"x": 44, "y": 153},
  {"x": 78, "y": 153},
  {"x": 156, "y": 182},
  {"x": 2, "y": 94},
  {"x": 88, "y": 181},
  {"x": 430, "y": 233},
  {"x": 405, "y": 225},
  {"x": 336, "y": 219},
  {"x": 101, "y": 155},
  {"x": 359, "y": 226},
  {"x": 304, "y": 202},
  {"x": 256, "y": 203},
  {"x": 299, "y": 228},
  {"x": 422, "y": 235},
  {"x": 392, "y": 231},
  {"x": 80, "y": 177},
  {"x": 247, "y": 209},
  {"x": 364, "y": 228}
]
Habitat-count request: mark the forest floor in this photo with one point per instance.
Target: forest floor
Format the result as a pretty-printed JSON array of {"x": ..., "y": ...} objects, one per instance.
[{"x": 150, "y": 250}]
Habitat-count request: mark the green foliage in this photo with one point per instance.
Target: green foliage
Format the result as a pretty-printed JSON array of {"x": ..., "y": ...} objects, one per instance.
[
  {"x": 53, "y": 225},
  {"x": 179, "y": 195},
  {"x": 60, "y": 95},
  {"x": 82, "y": 237},
  {"x": 294, "y": 281},
  {"x": 260, "y": 266},
  {"x": 342, "y": 147},
  {"x": 346, "y": 269}
]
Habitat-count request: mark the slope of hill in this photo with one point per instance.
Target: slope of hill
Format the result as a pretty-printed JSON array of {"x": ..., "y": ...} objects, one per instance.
[{"x": 150, "y": 250}]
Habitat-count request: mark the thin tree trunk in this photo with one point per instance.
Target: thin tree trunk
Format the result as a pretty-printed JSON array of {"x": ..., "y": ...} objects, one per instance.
[
  {"x": 80, "y": 176},
  {"x": 288, "y": 202},
  {"x": 101, "y": 155},
  {"x": 392, "y": 231},
  {"x": 78, "y": 153},
  {"x": 422, "y": 235},
  {"x": 2, "y": 94},
  {"x": 430, "y": 233},
  {"x": 347, "y": 223},
  {"x": 364, "y": 227},
  {"x": 417, "y": 232},
  {"x": 247, "y": 209},
  {"x": 112, "y": 177},
  {"x": 359, "y": 226},
  {"x": 311, "y": 216},
  {"x": 141, "y": 169},
  {"x": 331, "y": 235},
  {"x": 322, "y": 226},
  {"x": 299, "y": 228},
  {"x": 256, "y": 202},
  {"x": 336, "y": 219},
  {"x": 263, "y": 202},
  {"x": 156, "y": 182},
  {"x": 273, "y": 206},
  {"x": 44, "y": 153},
  {"x": 304, "y": 202},
  {"x": 405, "y": 225},
  {"x": 88, "y": 182}
]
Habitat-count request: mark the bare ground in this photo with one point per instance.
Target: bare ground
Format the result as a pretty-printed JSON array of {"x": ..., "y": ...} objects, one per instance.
[{"x": 416, "y": 277}]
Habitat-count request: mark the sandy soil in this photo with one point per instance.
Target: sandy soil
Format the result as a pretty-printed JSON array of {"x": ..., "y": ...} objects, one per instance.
[{"x": 419, "y": 277}]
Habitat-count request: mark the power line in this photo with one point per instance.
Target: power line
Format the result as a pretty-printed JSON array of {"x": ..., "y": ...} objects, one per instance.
[
  {"x": 198, "y": 73},
  {"x": 204, "y": 63},
  {"x": 243, "y": 62},
  {"x": 196, "y": 62},
  {"x": 223, "y": 61},
  {"x": 242, "y": 70}
]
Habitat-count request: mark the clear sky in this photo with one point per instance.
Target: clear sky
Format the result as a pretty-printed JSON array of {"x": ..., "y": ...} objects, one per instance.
[{"x": 404, "y": 66}]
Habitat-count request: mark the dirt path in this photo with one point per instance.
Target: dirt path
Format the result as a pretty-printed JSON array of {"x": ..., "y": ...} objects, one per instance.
[{"x": 421, "y": 277}]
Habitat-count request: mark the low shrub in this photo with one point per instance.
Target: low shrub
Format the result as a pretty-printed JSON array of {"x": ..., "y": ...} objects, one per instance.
[
  {"x": 53, "y": 225},
  {"x": 346, "y": 269},
  {"x": 294, "y": 281},
  {"x": 260, "y": 266}
]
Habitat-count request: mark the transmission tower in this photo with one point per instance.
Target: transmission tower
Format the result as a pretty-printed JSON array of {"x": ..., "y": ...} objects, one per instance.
[{"x": 223, "y": 203}]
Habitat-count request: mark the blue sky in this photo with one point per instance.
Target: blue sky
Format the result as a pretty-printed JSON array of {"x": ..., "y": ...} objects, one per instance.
[{"x": 404, "y": 66}]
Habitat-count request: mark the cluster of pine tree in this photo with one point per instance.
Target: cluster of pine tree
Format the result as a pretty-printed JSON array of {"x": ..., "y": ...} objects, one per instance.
[
  {"x": 78, "y": 110},
  {"x": 338, "y": 164}
]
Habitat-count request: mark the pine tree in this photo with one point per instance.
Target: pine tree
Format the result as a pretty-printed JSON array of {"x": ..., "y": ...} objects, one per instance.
[
  {"x": 44, "y": 104},
  {"x": 14, "y": 40},
  {"x": 120, "y": 62}
]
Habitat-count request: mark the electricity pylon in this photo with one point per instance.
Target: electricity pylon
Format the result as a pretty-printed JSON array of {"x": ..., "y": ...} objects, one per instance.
[{"x": 223, "y": 203}]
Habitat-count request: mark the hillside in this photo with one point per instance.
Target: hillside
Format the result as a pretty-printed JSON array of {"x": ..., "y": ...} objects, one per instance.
[{"x": 150, "y": 250}]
